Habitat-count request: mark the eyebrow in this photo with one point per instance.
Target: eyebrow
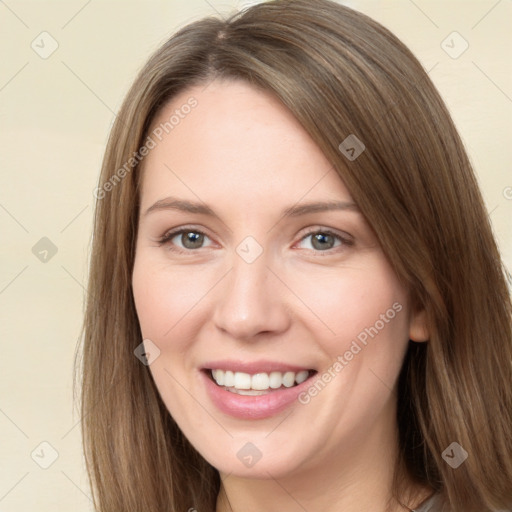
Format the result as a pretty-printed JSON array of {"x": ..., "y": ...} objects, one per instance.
[{"x": 171, "y": 203}]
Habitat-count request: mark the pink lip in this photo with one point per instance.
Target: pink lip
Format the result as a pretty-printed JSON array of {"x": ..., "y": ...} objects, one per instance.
[
  {"x": 253, "y": 367},
  {"x": 252, "y": 407}
]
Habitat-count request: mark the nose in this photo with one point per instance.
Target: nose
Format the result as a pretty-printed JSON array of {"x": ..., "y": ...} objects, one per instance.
[{"x": 251, "y": 301}]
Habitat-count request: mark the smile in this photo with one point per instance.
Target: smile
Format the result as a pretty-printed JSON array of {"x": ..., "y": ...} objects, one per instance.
[
  {"x": 258, "y": 383},
  {"x": 261, "y": 391}
]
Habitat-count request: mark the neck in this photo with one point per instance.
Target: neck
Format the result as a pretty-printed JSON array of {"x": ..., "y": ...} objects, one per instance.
[{"x": 358, "y": 476}]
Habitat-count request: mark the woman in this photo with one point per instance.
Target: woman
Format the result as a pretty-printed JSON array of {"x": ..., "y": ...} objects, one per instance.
[{"x": 296, "y": 301}]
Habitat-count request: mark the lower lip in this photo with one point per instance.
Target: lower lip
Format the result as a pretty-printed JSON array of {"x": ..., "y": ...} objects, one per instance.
[{"x": 253, "y": 407}]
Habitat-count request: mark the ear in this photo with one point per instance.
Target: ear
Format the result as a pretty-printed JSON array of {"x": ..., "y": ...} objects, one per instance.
[{"x": 418, "y": 328}]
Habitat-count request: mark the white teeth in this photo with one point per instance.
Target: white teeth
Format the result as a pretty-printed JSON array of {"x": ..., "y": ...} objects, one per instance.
[
  {"x": 276, "y": 380},
  {"x": 218, "y": 375},
  {"x": 229, "y": 378},
  {"x": 301, "y": 376},
  {"x": 258, "y": 381},
  {"x": 242, "y": 381},
  {"x": 289, "y": 379},
  {"x": 248, "y": 392}
]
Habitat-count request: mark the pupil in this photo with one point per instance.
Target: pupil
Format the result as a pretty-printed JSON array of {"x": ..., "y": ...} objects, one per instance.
[
  {"x": 192, "y": 240},
  {"x": 323, "y": 241}
]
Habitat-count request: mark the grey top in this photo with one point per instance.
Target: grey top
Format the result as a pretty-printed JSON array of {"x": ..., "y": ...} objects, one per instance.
[
  {"x": 433, "y": 504},
  {"x": 430, "y": 505}
]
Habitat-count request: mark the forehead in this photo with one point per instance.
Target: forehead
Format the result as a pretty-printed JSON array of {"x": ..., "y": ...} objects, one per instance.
[{"x": 238, "y": 142}]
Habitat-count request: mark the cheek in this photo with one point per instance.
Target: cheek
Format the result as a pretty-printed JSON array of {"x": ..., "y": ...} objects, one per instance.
[
  {"x": 169, "y": 303},
  {"x": 361, "y": 310},
  {"x": 165, "y": 299},
  {"x": 361, "y": 326},
  {"x": 361, "y": 320}
]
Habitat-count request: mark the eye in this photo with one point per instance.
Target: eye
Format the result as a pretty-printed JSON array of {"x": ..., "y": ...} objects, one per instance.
[
  {"x": 185, "y": 239},
  {"x": 323, "y": 240},
  {"x": 188, "y": 239}
]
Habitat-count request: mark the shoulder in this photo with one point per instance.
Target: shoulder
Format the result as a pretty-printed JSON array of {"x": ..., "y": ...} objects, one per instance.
[
  {"x": 432, "y": 504},
  {"x": 435, "y": 504}
]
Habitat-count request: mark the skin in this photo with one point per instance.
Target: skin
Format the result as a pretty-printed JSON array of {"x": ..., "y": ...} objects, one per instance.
[{"x": 243, "y": 153}]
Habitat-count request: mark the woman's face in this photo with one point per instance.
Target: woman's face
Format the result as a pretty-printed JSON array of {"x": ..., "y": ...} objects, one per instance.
[{"x": 252, "y": 260}]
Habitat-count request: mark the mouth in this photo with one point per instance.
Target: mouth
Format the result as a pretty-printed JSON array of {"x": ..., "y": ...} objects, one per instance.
[
  {"x": 254, "y": 390},
  {"x": 257, "y": 384}
]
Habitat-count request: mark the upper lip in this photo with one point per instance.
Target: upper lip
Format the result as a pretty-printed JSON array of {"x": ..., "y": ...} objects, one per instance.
[{"x": 253, "y": 367}]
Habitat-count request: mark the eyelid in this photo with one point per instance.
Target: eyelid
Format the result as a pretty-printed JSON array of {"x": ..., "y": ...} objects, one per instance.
[
  {"x": 345, "y": 238},
  {"x": 171, "y": 233}
]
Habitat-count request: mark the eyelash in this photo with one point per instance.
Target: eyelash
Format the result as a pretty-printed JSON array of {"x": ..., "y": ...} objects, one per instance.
[{"x": 167, "y": 237}]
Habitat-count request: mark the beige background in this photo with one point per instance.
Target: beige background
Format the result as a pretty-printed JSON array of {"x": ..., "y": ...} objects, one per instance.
[{"x": 55, "y": 114}]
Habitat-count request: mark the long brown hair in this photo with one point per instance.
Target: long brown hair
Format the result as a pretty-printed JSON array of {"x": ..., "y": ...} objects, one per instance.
[{"x": 340, "y": 74}]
